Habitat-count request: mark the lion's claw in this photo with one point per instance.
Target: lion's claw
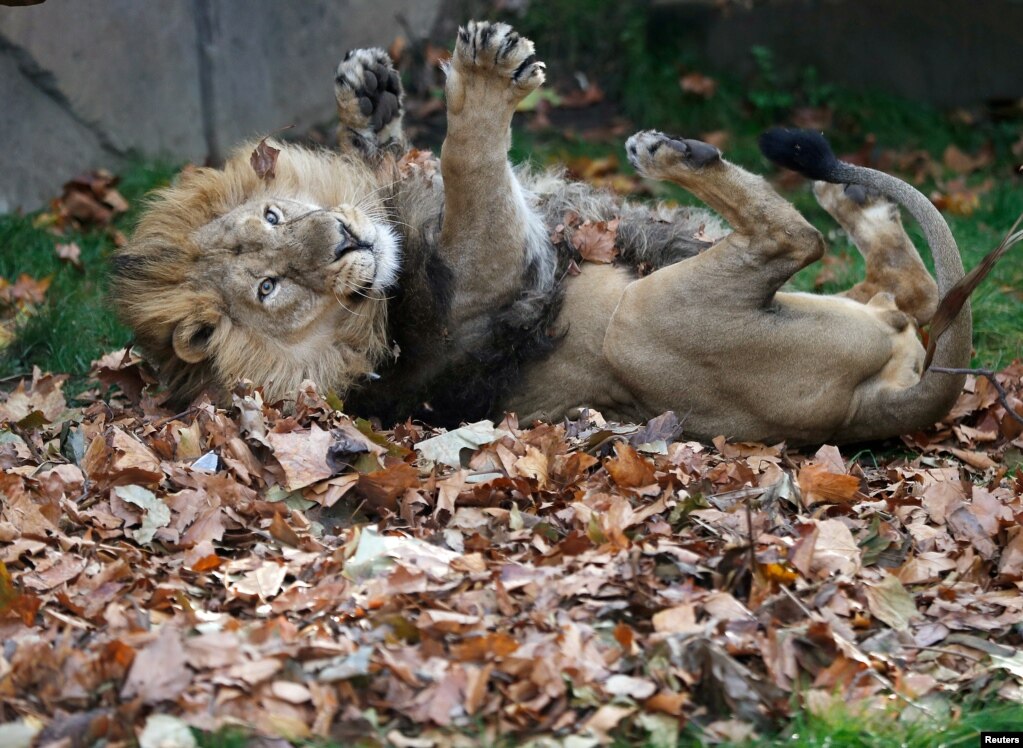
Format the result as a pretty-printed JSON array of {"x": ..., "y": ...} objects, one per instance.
[{"x": 496, "y": 50}]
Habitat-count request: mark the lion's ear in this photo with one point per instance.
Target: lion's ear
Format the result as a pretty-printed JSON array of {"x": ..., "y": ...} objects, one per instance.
[{"x": 192, "y": 336}]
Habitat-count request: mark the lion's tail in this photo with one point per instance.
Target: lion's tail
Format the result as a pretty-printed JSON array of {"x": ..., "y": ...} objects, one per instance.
[{"x": 808, "y": 153}]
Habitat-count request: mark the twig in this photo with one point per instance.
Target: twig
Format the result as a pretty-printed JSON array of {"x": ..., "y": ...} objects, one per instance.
[
  {"x": 27, "y": 439},
  {"x": 749, "y": 531},
  {"x": 1003, "y": 396},
  {"x": 711, "y": 529},
  {"x": 177, "y": 416}
]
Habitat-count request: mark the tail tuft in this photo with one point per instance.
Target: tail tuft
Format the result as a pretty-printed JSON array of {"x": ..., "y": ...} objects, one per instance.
[{"x": 804, "y": 151}]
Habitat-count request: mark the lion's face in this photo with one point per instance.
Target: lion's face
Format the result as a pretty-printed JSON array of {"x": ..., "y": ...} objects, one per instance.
[
  {"x": 287, "y": 267},
  {"x": 293, "y": 279},
  {"x": 229, "y": 277}
]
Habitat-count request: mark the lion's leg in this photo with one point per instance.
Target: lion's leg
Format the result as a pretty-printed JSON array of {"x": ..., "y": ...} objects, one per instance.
[
  {"x": 771, "y": 239},
  {"x": 711, "y": 338},
  {"x": 489, "y": 235},
  {"x": 893, "y": 264},
  {"x": 370, "y": 103}
]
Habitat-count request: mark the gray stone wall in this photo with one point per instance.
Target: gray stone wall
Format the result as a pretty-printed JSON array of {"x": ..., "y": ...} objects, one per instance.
[{"x": 85, "y": 84}]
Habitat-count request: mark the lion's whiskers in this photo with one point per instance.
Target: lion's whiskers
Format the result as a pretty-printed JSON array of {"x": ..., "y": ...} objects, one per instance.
[{"x": 342, "y": 305}]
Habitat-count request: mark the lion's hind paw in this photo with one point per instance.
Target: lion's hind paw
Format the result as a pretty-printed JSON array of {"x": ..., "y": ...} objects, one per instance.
[{"x": 653, "y": 153}]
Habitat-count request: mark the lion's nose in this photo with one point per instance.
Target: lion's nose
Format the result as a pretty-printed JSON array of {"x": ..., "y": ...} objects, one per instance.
[{"x": 348, "y": 242}]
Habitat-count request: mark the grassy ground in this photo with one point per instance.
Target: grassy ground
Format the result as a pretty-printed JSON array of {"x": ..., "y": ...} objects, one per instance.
[{"x": 74, "y": 325}]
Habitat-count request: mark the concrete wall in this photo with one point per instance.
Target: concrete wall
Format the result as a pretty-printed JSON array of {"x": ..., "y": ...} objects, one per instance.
[{"x": 84, "y": 84}]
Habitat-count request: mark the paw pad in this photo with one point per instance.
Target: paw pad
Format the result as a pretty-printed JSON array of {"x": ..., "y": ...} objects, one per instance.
[{"x": 366, "y": 81}]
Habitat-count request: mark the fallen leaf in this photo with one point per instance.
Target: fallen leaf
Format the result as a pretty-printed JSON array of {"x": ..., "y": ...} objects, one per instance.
[
  {"x": 629, "y": 469},
  {"x": 820, "y": 486},
  {"x": 698, "y": 84},
  {"x": 158, "y": 672},
  {"x": 264, "y": 160},
  {"x": 303, "y": 455},
  {"x": 595, "y": 242},
  {"x": 889, "y": 602},
  {"x": 678, "y": 620},
  {"x": 626, "y": 685},
  {"x": 70, "y": 253},
  {"x": 165, "y": 731},
  {"x": 447, "y": 448},
  {"x": 962, "y": 163}
]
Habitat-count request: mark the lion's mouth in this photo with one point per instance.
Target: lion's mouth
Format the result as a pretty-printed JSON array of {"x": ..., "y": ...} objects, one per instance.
[{"x": 348, "y": 245}]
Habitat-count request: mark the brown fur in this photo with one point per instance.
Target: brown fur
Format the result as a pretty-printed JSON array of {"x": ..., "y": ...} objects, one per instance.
[{"x": 484, "y": 315}]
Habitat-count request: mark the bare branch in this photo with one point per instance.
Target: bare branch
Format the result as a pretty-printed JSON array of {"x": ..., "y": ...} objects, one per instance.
[{"x": 1003, "y": 396}]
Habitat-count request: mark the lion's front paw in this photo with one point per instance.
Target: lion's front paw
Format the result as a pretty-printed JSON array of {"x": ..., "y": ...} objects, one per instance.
[
  {"x": 369, "y": 97},
  {"x": 495, "y": 55},
  {"x": 657, "y": 155}
]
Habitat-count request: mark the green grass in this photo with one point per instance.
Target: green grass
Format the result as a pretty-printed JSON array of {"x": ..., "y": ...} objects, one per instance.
[
  {"x": 74, "y": 326},
  {"x": 842, "y": 729}
]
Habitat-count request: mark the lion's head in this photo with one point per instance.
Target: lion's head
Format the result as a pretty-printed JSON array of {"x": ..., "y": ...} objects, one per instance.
[{"x": 231, "y": 276}]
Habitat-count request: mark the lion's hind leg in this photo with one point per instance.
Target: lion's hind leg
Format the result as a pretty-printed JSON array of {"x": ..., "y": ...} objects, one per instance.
[
  {"x": 771, "y": 239},
  {"x": 370, "y": 103},
  {"x": 893, "y": 265}
]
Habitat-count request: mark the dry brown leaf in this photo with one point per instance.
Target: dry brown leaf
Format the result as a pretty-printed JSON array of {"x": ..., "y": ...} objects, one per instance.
[
  {"x": 383, "y": 488},
  {"x": 44, "y": 396},
  {"x": 158, "y": 672},
  {"x": 962, "y": 163},
  {"x": 70, "y": 253},
  {"x": 264, "y": 160},
  {"x": 430, "y": 597},
  {"x": 118, "y": 458},
  {"x": 629, "y": 469},
  {"x": 595, "y": 242},
  {"x": 302, "y": 455},
  {"x": 889, "y": 602},
  {"x": 819, "y": 486},
  {"x": 678, "y": 620},
  {"x": 698, "y": 84}
]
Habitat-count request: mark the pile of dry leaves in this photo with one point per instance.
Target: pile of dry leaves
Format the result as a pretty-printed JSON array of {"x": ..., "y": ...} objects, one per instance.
[{"x": 305, "y": 574}]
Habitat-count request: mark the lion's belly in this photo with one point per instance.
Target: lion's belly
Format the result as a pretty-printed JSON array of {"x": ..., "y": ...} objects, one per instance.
[{"x": 575, "y": 374}]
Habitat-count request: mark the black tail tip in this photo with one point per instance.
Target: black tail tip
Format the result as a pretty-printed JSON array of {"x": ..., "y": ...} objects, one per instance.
[{"x": 804, "y": 151}]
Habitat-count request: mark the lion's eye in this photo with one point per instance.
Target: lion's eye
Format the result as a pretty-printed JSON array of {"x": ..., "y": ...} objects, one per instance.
[
  {"x": 266, "y": 287},
  {"x": 272, "y": 216}
]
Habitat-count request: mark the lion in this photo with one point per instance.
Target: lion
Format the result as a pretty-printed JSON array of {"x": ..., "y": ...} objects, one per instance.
[{"x": 450, "y": 292}]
